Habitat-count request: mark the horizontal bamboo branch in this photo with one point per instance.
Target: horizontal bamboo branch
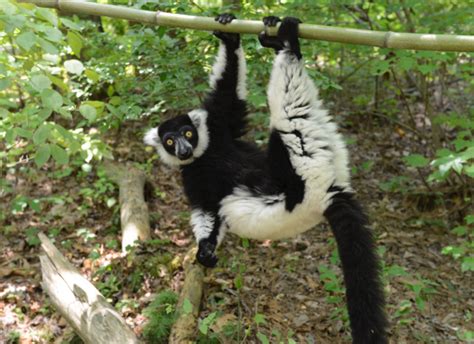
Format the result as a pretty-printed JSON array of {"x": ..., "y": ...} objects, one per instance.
[{"x": 309, "y": 31}]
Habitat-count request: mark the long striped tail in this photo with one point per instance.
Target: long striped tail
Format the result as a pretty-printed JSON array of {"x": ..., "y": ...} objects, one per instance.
[{"x": 360, "y": 265}]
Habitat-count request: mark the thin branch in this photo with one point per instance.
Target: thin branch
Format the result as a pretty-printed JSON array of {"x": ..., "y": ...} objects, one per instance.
[{"x": 309, "y": 31}]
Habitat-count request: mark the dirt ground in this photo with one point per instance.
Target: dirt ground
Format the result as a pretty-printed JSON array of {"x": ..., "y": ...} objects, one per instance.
[{"x": 430, "y": 303}]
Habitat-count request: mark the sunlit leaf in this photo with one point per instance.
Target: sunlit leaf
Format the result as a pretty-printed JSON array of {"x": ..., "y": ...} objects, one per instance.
[
  {"x": 92, "y": 75},
  {"x": 88, "y": 111},
  {"x": 75, "y": 42},
  {"x": 416, "y": 160},
  {"x": 74, "y": 66},
  {"x": 40, "y": 82}
]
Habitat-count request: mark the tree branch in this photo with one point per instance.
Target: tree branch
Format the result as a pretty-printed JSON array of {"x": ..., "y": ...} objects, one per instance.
[{"x": 309, "y": 31}]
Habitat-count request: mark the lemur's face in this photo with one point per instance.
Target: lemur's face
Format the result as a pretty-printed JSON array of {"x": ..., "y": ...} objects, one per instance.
[{"x": 181, "y": 139}]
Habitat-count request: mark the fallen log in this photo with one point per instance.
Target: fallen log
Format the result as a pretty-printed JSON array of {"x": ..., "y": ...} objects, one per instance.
[
  {"x": 79, "y": 302},
  {"x": 134, "y": 218},
  {"x": 185, "y": 326}
]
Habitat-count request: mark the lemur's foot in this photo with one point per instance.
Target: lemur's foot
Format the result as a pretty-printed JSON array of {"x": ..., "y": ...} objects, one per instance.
[
  {"x": 270, "y": 41},
  {"x": 227, "y": 37},
  {"x": 287, "y": 36},
  {"x": 206, "y": 254}
]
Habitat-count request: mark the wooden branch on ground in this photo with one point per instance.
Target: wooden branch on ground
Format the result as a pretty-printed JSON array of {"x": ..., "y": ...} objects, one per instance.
[
  {"x": 398, "y": 40},
  {"x": 79, "y": 302},
  {"x": 134, "y": 217},
  {"x": 184, "y": 329}
]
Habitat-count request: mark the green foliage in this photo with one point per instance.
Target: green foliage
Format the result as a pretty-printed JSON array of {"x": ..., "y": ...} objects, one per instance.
[{"x": 161, "y": 316}]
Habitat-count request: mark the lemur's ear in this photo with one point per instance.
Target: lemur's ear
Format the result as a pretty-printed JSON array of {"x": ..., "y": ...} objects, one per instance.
[{"x": 151, "y": 137}]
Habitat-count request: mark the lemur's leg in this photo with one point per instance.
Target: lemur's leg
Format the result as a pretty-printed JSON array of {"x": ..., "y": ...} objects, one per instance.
[
  {"x": 315, "y": 152},
  {"x": 229, "y": 70}
]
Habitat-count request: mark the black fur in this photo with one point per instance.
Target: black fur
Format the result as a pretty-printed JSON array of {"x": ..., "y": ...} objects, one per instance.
[{"x": 364, "y": 294}]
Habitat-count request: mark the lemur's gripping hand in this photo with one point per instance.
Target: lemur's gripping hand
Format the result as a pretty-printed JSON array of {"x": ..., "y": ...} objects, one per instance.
[
  {"x": 287, "y": 36},
  {"x": 206, "y": 254},
  {"x": 229, "y": 38}
]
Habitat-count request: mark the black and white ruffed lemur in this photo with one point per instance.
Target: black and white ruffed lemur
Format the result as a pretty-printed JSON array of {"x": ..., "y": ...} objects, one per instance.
[{"x": 302, "y": 177}]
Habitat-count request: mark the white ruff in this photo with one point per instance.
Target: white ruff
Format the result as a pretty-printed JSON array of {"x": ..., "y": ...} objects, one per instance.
[
  {"x": 199, "y": 118},
  {"x": 319, "y": 157},
  {"x": 219, "y": 67}
]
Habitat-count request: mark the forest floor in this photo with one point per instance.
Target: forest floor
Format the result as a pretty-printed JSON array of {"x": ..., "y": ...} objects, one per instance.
[{"x": 295, "y": 284}]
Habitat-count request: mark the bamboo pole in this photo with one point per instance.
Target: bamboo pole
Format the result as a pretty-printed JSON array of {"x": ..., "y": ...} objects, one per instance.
[{"x": 310, "y": 31}]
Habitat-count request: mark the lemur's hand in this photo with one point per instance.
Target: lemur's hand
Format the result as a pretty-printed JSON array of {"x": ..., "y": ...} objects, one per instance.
[
  {"x": 206, "y": 254},
  {"x": 227, "y": 37}
]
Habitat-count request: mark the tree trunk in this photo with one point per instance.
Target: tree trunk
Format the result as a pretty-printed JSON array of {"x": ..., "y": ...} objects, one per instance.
[
  {"x": 184, "y": 329},
  {"x": 79, "y": 302},
  {"x": 134, "y": 217}
]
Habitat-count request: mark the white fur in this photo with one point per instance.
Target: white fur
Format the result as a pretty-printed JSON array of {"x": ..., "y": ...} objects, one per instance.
[
  {"x": 202, "y": 223},
  {"x": 199, "y": 118},
  {"x": 219, "y": 67},
  {"x": 320, "y": 158}
]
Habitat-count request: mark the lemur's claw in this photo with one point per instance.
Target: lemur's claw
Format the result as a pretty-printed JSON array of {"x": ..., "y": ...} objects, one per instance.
[
  {"x": 206, "y": 254},
  {"x": 226, "y": 37}
]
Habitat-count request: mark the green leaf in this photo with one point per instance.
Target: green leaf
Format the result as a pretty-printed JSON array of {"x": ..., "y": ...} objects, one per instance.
[
  {"x": 406, "y": 63},
  {"x": 41, "y": 134},
  {"x": 48, "y": 15},
  {"x": 47, "y": 46},
  {"x": 70, "y": 24},
  {"x": 187, "y": 306},
  {"x": 59, "y": 154},
  {"x": 428, "y": 68},
  {"x": 74, "y": 66},
  {"x": 4, "y": 83},
  {"x": 40, "y": 82},
  {"x": 75, "y": 42},
  {"x": 416, "y": 160},
  {"x": 42, "y": 154},
  {"x": 26, "y": 40},
  {"x": 467, "y": 264},
  {"x": 469, "y": 219},
  {"x": 24, "y": 133},
  {"x": 51, "y": 99},
  {"x": 262, "y": 338},
  {"x": 459, "y": 230},
  {"x": 259, "y": 319},
  {"x": 92, "y": 75},
  {"x": 88, "y": 111},
  {"x": 53, "y": 34}
]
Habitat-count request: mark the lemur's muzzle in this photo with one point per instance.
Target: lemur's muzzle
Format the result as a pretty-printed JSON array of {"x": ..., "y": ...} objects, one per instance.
[{"x": 183, "y": 149}]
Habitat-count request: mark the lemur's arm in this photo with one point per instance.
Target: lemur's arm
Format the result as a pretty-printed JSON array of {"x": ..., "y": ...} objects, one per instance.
[
  {"x": 206, "y": 231},
  {"x": 226, "y": 101}
]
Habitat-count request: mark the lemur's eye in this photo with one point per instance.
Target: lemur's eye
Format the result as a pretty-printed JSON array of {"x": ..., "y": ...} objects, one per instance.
[
  {"x": 169, "y": 142},
  {"x": 188, "y": 134}
]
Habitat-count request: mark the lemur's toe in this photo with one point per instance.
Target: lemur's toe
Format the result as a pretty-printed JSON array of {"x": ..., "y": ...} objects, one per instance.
[
  {"x": 225, "y": 18},
  {"x": 271, "y": 21}
]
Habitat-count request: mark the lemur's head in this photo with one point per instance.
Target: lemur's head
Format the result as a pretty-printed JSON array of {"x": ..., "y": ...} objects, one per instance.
[{"x": 180, "y": 140}]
